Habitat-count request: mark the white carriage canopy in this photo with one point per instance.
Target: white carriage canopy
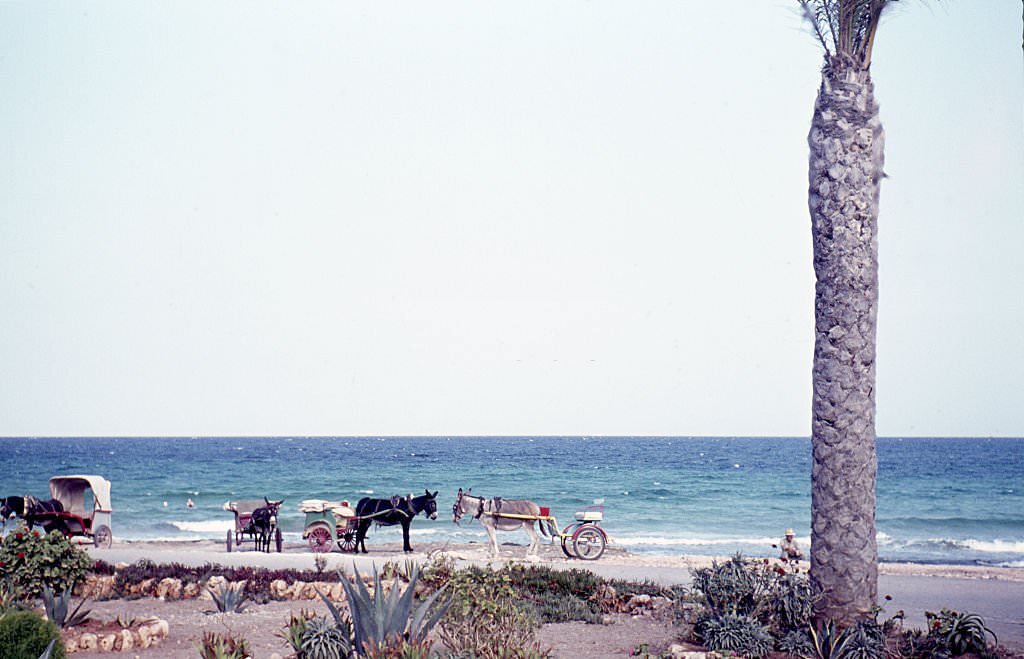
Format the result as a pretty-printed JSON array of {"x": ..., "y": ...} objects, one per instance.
[{"x": 70, "y": 491}]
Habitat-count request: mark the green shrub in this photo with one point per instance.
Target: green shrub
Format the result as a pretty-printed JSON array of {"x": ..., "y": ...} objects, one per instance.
[
  {"x": 729, "y": 632},
  {"x": 229, "y": 598},
  {"x": 487, "y": 617},
  {"x": 385, "y": 624},
  {"x": 223, "y": 646},
  {"x": 796, "y": 643},
  {"x": 322, "y": 639},
  {"x": 738, "y": 586},
  {"x": 25, "y": 635},
  {"x": 791, "y": 600},
  {"x": 958, "y": 633},
  {"x": 58, "y": 609},
  {"x": 33, "y": 560},
  {"x": 293, "y": 632}
]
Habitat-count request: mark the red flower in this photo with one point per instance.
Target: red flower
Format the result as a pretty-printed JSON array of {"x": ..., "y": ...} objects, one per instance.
[
  {"x": 35, "y": 534},
  {"x": 21, "y": 554},
  {"x": 17, "y": 536}
]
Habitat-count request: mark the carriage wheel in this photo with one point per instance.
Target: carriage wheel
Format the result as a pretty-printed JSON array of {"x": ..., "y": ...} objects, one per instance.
[
  {"x": 102, "y": 537},
  {"x": 347, "y": 539},
  {"x": 566, "y": 537},
  {"x": 588, "y": 543},
  {"x": 319, "y": 538},
  {"x": 278, "y": 539},
  {"x": 229, "y": 542}
]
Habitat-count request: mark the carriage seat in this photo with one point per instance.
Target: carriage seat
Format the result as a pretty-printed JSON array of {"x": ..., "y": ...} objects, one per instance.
[{"x": 590, "y": 514}]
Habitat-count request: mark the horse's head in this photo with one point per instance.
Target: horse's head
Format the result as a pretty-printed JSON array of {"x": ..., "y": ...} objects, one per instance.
[
  {"x": 8, "y": 509},
  {"x": 427, "y": 503},
  {"x": 458, "y": 510}
]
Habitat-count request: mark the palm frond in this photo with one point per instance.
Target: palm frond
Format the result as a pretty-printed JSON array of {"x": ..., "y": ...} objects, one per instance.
[{"x": 845, "y": 28}]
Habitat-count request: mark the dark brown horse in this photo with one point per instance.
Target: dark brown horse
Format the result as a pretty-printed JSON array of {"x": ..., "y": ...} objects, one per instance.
[{"x": 389, "y": 512}]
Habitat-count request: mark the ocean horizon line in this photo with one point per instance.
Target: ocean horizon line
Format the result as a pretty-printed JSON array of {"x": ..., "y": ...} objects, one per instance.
[{"x": 503, "y": 437}]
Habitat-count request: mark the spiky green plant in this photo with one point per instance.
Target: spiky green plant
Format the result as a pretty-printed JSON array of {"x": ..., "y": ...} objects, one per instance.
[
  {"x": 223, "y": 646},
  {"x": 729, "y": 632},
  {"x": 796, "y": 643},
  {"x": 229, "y": 598},
  {"x": 293, "y": 632},
  {"x": 958, "y": 632},
  {"x": 58, "y": 609},
  {"x": 828, "y": 641},
  {"x": 322, "y": 639},
  {"x": 380, "y": 620}
]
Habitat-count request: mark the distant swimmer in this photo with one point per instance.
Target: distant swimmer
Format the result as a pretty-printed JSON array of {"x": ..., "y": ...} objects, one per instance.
[
  {"x": 190, "y": 504},
  {"x": 790, "y": 550}
]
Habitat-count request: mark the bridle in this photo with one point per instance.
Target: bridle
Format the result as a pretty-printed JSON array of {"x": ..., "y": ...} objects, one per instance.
[{"x": 457, "y": 512}]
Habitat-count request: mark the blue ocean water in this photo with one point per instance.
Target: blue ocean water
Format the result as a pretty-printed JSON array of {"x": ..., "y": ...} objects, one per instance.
[{"x": 939, "y": 500}]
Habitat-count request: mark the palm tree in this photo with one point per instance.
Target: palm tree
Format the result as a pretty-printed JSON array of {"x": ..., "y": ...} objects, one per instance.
[{"x": 846, "y": 157}]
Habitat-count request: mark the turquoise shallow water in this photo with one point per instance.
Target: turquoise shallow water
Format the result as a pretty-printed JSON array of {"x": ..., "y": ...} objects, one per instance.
[{"x": 939, "y": 500}]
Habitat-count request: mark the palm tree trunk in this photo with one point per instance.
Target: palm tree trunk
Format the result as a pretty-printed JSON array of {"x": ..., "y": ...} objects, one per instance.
[{"x": 846, "y": 145}]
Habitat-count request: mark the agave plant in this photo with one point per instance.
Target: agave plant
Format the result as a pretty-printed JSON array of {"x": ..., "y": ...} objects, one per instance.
[
  {"x": 321, "y": 639},
  {"x": 829, "y": 642},
  {"x": 229, "y": 598},
  {"x": 379, "y": 620},
  {"x": 729, "y": 632},
  {"x": 58, "y": 606},
  {"x": 959, "y": 632}
]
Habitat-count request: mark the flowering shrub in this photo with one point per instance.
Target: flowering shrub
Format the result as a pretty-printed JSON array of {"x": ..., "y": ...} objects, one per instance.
[{"x": 32, "y": 560}]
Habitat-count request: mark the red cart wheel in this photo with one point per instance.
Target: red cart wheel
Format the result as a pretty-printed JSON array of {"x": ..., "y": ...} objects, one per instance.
[
  {"x": 588, "y": 542},
  {"x": 319, "y": 538}
]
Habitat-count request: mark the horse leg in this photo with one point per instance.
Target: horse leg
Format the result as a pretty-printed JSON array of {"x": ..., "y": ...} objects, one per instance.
[
  {"x": 534, "y": 538},
  {"x": 361, "y": 530},
  {"x": 493, "y": 536},
  {"x": 405, "y": 536}
]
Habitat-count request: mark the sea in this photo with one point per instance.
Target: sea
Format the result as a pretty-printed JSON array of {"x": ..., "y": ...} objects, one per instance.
[{"x": 940, "y": 500}]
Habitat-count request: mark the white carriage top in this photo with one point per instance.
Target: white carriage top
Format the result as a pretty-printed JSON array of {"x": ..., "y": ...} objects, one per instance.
[
  {"x": 244, "y": 506},
  {"x": 339, "y": 508},
  {"x": 70, "y": 491}
]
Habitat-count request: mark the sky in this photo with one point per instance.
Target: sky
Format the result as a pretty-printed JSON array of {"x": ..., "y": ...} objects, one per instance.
[{"x": 529, "y": 218}]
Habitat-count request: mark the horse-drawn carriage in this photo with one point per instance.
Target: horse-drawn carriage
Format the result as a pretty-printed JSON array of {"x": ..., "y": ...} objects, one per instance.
[
  {"x": 327, "y": 521},
  {"x": 583, "y": 539},
  {"x": 79, "y": 507},
  {"x": 256, "y": 519}
]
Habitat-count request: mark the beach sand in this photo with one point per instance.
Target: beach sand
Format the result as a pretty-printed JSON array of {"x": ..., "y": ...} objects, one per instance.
[{"x": 995, "y": 593}]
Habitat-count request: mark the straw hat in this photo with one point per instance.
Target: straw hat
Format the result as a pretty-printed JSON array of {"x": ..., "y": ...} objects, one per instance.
[{"x": 790, "y": 532}]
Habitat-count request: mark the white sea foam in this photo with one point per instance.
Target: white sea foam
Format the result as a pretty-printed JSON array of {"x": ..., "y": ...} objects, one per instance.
[
  {"x": 206, "y": 526},
  {"x": 993, "y": 546}
]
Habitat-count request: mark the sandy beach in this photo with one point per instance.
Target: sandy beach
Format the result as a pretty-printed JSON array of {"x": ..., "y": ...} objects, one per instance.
[{"x": 995, "y": 593}]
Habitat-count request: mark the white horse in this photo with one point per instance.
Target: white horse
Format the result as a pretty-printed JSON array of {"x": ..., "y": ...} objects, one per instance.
[{"x": 499, "y": 515}]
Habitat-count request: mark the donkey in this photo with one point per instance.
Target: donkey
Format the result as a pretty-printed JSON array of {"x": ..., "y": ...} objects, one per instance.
[
  {"x": 492, "y": 515},
  {"x": 260, "y": 523},
  {"x": 388, "y": 512},
  {"x": 27, "y": 508}
]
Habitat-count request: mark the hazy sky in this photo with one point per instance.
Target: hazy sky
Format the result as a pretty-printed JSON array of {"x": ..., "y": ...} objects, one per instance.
[{"x": 487, "y": 218}]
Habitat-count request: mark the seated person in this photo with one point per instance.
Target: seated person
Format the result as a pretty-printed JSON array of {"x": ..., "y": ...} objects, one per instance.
[{"x": 790, "y": 550}]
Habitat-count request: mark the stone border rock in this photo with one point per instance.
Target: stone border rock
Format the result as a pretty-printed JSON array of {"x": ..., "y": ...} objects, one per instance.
[{"x": 145, "y": 634}]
